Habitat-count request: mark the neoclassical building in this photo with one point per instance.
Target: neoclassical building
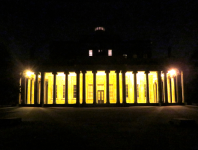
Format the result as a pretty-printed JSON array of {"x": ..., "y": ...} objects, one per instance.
[{"x": 101, "y": 70}]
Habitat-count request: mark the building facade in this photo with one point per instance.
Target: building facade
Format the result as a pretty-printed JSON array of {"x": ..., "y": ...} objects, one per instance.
[{"x": 102, "y": 71}]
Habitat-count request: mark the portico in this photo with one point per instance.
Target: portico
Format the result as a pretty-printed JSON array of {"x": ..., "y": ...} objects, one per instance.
[{"x": 93, "y": 87}]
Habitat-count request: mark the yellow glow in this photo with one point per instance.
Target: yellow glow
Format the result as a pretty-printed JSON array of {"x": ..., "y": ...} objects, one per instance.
[
  {"x": 172, "y": 72},
  {"x": 39, "y": 76},
  {"x": 29, "y": 73},
  {"x": 101, "y": 73},
  {"x": 72, "y": 74},
  {"x": 61, "y": 74}
]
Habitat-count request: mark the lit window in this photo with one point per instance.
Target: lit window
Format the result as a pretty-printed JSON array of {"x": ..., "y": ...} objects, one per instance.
[
  {"x": 109, "y": 52},
  {"x": 90, "y": 91},
  {"x": 99, "y": 51},
  {"x": 111, "y": 91},
  {"x": 90, "y": 52},
  {"x": 145, "y": 90},
  {"x": 100, "y": 28},
  {"x": 74, "y": 91},
  {"x": 138, "y": 94},
  {"x": 125, "y": 55}
]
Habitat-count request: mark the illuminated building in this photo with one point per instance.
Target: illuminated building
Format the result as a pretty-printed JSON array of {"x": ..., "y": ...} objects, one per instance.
[{"x": 100, "y": 69}]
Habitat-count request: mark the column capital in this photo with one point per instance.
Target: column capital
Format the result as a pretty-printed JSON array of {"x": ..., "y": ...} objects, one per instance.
[
  {"x": 124, "y": 71},
  {"x": 77, "y": 71},
  {"x": 107, "y": 71},
  {"x": 84, "y": 71},
  {"x": 36, "y": 73},
  {"x": 135, "y": 71},
  {"x": 66, "y": 72},
  {"x": 117, "y": 71},
  {"x": 54, "y": 72},
  {"x": 147, "y": 72},
  {"x": 94, "y": 71}
]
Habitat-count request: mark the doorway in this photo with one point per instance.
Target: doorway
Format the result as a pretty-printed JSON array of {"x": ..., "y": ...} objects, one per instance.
[{"x": 100, "y": 96}]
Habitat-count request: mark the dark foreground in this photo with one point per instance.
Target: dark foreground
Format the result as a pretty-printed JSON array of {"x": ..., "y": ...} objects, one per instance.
[{"x": 140, "y": 127}]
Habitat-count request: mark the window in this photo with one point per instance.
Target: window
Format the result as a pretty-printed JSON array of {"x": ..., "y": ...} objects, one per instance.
[
  {"x": 74, "y": 91},
  {"x": 110, "y": 52},
  {"x": 111, "y": 91},
  {"x": 90, "y": 91},
  {"x": 99, "y": 51},
  {"x": 63, "y": 91},
  {"x": 90, "y": 52},
  {"x": 125, "y": 55},
  {"x": 138, "y": 94},
  {"x": 127, "y": 93}
]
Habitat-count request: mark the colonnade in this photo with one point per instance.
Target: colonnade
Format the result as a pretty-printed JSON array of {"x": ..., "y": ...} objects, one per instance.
[{"x": 169, "y": 89}]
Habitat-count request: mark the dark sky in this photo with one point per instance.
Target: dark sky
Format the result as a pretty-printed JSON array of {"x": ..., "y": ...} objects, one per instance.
[{"x": 30, "y": 24}]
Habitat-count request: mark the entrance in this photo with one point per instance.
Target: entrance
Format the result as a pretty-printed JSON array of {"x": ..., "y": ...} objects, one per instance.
[{"x": 100, "y": 96}]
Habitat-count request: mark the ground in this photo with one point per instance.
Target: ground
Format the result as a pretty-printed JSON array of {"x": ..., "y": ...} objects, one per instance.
[{"x": 138, "y": 127}]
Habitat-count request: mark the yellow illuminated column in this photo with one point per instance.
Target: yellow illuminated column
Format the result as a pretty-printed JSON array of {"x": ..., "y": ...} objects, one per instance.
[
  {"x": 77, "y": 87},
  {"x": 84, "y": 87},
  {"x": 147, "y": 87},
  {"x": 42, "y": 87},
  {"x": 165, "y": 87},
  {"x": 94, "y": 86},
  {"x": 123, "y": 86},
  {"x": 135, "y": 86},
  {"x": 66, "y": 86},
  {"x": 54, "y": 88},
  {"x": 31, "y": 79},
  {"x": 159, "y": 88},
  {"x": 36, "y": 88},
  {"x": 118, "y": 87},
  {"x": 23, "y": 89},
  {"x": 107, "y": 85},
  {"x": 179, "y": 88}
]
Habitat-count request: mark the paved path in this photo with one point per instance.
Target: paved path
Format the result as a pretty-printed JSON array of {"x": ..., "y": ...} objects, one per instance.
[{"x": 145, "y": 127}]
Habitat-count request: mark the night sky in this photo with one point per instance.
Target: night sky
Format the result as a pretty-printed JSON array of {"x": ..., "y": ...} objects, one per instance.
[{"x": 30, "y": 24}]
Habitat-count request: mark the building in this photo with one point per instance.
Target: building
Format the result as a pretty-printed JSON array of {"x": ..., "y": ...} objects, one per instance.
[{"x": 102, "y": 70}]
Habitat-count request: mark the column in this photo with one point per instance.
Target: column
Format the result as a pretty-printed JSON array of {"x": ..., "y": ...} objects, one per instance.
[
  {"x": 84, "y": 87},
  {"x": 135, "y": 86},
  {"x": 147, "y": 87},
  {"x": 165, "y": 87},
  {"x": 31, "y": 90},
  {"x": 23, "y": 90},
  {"x": 94, "y": 86},
  {"x": 36, "y": 88},
  {"x": 182, "y": 85},
  {"x": 107, "y": 85},
  {"x": 170, "y": 89},
  {"x": 54, "y": 88},
  {"x": 78, "y": 87},
  {"x": 179, "y": 88},
  {"x": 118, "y": 86},
  {"x": 42, "y": 88},
  {"x": 159, "y": 88},
  {"x": 175, "y": 88},
  {"x": 124, "y": 86},
  {"x": 20, "y": 90},
  {"x": 66, "y": 87}
]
